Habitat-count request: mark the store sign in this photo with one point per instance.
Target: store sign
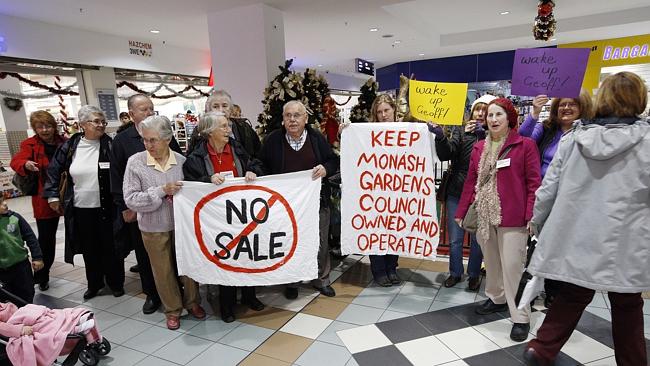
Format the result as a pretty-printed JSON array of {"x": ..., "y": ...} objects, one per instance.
[
  {"x": 140, "y": 48},
  {"x": 617, "y": 53}
]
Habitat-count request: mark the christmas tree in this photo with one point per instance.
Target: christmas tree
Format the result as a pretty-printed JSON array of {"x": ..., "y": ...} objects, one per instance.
[
  {"x": 283, "y": 88},
  {"x": 315, "y": 88},
  {"x": 361, "y": 111}
]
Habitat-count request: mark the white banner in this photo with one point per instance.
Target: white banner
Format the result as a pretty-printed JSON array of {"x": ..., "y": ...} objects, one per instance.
[
  {"x": 238, "y": 234},
  {"x": 388, "y": 203}
]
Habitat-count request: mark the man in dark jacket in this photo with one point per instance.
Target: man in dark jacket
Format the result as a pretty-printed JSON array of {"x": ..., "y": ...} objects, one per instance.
[
  {"x": 127, "y": 143},
  {"x": 296, "y": 147}
]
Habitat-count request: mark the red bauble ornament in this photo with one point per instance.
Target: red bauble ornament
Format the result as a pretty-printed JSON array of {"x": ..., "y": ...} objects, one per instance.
[{"x": 545, "y": 10}]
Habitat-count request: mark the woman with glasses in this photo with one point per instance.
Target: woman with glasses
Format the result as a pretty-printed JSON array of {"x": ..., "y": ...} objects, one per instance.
[
  {"x": 33, "y": 158},
  {"x": 152, "y": 177},
  {"x": 547, "y": 134},
  {"x": 216, "y": 157},
  {"x": 81, "y": 167}
]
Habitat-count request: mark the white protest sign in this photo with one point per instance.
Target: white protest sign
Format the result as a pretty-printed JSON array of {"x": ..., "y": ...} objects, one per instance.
[
  {"x": 388, "y": 203},
  {"x": 238, "y": 234}
]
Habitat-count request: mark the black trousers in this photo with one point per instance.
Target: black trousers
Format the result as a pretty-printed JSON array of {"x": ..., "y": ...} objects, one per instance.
[
  {"x": 141, "y": 256},
  {"x": 47, "y": 242},
  {"x": 103, "y": 264},
  {"x": 383, "y": 265},
  {"x": 228, "y": 295},
  {"x": 19, "y": 281}
]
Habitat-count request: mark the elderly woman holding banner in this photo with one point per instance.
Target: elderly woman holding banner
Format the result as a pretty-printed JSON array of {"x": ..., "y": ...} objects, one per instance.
[
  {"x": 216, "y": 157},
  {"x": 151, "y": 178}
]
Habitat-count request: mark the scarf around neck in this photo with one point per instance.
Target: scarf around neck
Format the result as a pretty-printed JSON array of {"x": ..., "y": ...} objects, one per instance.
[{"x": 488, "y": 204}]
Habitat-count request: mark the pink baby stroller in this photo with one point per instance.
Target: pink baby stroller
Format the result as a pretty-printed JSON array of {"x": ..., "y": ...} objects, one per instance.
[{"x": 82, "y": 343}]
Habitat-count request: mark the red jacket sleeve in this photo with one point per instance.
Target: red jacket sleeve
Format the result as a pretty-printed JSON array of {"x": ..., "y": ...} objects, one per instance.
[
  {"x": 533, "y": 175},
  {"x": 467, "y": 197},
  {"x": 25, "y": 153}
]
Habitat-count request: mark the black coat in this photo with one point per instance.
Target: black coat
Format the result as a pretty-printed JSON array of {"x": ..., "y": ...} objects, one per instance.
[
  {"x": 272, "y": 155},
  {"x": 244, "y": 134},
  {"x": 457, "y": 148},
  {"x": 61, "y": 163},
  {"x": 198, "y": 167}
]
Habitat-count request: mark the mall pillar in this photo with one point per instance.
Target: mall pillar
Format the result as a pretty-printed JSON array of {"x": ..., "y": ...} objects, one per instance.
[
  {"x": 247, "y": 46},
  {"x": 99, "y": 90},
  {"x": 15, "y": 123}
]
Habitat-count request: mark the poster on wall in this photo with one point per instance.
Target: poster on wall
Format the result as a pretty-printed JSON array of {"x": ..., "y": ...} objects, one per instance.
[
  {"x": 106, "y": 100},
  {"x": 388, "y": 203},
  {"x": 239, "y": 234},
  {"x": 555, "y": 72}
]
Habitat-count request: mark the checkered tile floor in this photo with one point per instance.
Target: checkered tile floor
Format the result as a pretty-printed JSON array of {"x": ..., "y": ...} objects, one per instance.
[{"x": 419, "y": 322}]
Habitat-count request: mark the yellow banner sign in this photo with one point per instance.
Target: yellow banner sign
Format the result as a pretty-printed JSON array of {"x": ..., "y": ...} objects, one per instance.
[{"x": 441, "y": 103}]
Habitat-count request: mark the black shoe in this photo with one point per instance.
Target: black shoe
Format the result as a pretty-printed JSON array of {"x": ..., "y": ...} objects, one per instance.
[
  {"x": 89, "y": 294},
  {"x": 291, "y": 293},
  {"x": 44, "y": 286},
  {"x": 489, "y": 307},
  {"x": 451, "y": 281},
  {"x": 519, "y": 332},
  {"x": 474, "y": 283},
  {"x": 531, "y": 358},
  {"x": 326, "y": 290},
  {"x": 253, "y": 303},
  {"x": 118, "y": 292},
  {"x": 134, "y": 269},
  {"x": 150, "y": 305},
  {"x": 227, "y": 315},
  {"x": 394, "y": 279},
  {"x": 383, "y": 282}
]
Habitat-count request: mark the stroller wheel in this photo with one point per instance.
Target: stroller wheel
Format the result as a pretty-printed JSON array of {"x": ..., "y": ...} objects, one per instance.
[
  {"x": 102, "y": 348},
  {"x": 88, "y": 357}
]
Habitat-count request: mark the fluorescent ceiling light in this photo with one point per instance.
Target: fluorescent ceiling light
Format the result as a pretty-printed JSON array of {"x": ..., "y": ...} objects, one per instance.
[
  {"x": 504, "y": 12},
  {"x": 154, "y": 31},
  {"x": 374, "y": 29}
]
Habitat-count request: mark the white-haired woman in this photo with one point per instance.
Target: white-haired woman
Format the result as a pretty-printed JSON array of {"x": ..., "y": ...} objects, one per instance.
[
  {"x": 151, "y": 178},
  {"x": 87, "y": 204},
  {"x": 216, "y": 157}
]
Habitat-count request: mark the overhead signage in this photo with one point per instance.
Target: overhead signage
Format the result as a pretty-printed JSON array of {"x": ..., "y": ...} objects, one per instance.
[
  {"x": 365, "y": 67},
  {"x": 137, "y": 48}
]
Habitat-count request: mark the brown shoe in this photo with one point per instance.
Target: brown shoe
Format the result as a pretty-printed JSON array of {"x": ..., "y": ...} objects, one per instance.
[
  {"x": 197, "y": 311},
  {"x": 474, "y": 283},
  {"x": 451, "y": 281},
  {"x": 173, "y": 322}
]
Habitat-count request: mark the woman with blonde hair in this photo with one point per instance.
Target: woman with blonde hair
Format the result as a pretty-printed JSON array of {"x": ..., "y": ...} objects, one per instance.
[{"x": 591, "y": 214}]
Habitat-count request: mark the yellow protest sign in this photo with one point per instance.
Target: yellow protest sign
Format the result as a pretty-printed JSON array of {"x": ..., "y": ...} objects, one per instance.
[{"x": 442, "y": 103}]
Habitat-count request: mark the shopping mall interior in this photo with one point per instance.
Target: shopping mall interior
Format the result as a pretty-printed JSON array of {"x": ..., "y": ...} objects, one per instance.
[{"x": 58, "y": 56}]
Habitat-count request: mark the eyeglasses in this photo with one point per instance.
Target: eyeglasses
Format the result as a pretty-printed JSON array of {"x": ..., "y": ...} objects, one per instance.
[
  {"x": 151, "y": 141},
  {"x": 44, "y": 127},
  {"x": 98, "y": 122},
  {"x": 569, "y": 105},
  {"x": 290, "y": 116}
]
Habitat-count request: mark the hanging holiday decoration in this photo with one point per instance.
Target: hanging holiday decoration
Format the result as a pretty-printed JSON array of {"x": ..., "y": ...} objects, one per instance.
[
  {"x": 64, "y": 115},
  {"x": 329, "y": 125},
  {"x": 174, "y": 93},
  {"x": 545, "y": 23},
  {"x": 284, "y": 87},
  {"x": 36, "y": 84},
  {"x": 361, "y": 111},
  {"x": 13, "y": 103}
]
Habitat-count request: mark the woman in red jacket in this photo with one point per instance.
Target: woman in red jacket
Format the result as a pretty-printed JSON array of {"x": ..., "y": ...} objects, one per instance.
[
  {"x": 503, "y": 177},
  {"x": 33, "y": 158}
]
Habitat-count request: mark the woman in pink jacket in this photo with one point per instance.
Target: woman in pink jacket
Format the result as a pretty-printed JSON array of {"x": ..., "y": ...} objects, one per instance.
[{"x": 502, "y": 178}]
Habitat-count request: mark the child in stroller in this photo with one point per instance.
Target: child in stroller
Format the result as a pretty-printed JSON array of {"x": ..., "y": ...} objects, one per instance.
[{"x": 35, "y": 335}]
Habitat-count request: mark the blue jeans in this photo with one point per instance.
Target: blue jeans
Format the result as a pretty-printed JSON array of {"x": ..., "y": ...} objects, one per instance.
[{"x": 456, "y": 235}]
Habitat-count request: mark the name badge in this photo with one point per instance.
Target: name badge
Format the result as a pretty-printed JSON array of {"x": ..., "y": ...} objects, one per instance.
[
  {"x": 503, "y": 163},
  {"x": 227, "y": 174},
  {"x": 105, "y": 165}
]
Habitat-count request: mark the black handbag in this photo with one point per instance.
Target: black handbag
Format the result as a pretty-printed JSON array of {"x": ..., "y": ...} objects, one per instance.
[
  {"x": 28, "y": 184},
  {"x": 525, "y": 276}
]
